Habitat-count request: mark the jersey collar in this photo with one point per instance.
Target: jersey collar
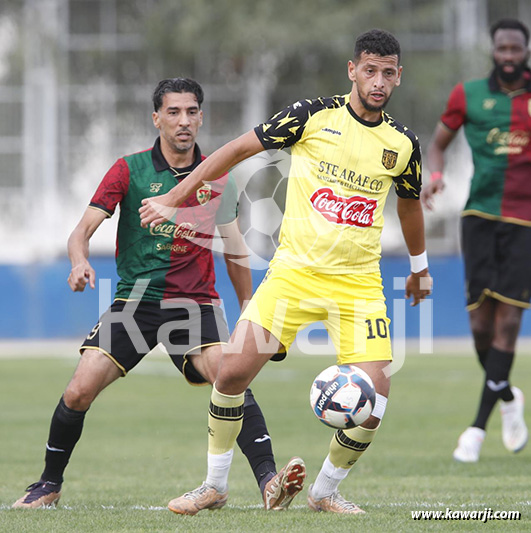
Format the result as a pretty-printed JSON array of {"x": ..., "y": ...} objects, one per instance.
[
  {"x": 363, "y": 121},
  {"x": 494, "y": 86},
  {"x": 160, "y": 163}
]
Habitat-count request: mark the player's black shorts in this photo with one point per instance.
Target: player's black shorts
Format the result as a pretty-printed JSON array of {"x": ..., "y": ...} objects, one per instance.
[
  {"x": 127, "y": 331},
  {"x": 497, "y": 259}
]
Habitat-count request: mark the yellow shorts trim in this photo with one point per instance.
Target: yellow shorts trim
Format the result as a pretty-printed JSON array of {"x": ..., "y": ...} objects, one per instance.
[
  {"x": 497, "y": 296},
  {"x": 351, "y": 306},
  {"x": 488, "y": 216},
  {"x": 101, "y": 350}
]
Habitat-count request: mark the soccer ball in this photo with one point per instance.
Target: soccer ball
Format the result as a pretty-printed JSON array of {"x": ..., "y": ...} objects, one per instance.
[
  {"x": 342, "y": 396},
  {"x": 262, "y": 183}
]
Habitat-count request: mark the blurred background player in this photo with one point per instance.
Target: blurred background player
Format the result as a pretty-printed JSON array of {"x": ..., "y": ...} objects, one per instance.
[
  {"x": 175, "y": 262},
  {"x": 496, "y": 223},
  {"x": 346, "y": 154}
]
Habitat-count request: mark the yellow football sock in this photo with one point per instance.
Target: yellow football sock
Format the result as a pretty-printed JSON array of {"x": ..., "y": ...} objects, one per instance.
[
  {"x": 225, "y": 418},
  {"x": 347, "y": 445}
]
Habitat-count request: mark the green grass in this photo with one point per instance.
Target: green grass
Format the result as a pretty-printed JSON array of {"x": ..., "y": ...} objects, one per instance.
[{"x": 145, "y": 443}]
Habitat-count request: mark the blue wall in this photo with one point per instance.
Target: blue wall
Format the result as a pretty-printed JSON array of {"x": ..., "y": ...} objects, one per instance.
[{"x": 37, "y": 303}]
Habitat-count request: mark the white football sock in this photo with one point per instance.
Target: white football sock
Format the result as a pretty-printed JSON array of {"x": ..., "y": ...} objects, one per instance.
[
  {"x": 218, "y": 470},
  {"x": 328, "y": 480}
]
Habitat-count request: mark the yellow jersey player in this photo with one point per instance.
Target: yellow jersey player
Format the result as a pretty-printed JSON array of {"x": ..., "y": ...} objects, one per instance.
[{"x": 346, "y": 154}]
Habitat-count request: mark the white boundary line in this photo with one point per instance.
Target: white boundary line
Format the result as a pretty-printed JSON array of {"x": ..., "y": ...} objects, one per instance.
[{"x": 408, "y": 504}]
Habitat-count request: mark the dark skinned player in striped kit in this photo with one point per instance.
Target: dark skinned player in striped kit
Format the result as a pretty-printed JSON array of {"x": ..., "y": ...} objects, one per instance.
[{"x": 495, "y": 113}]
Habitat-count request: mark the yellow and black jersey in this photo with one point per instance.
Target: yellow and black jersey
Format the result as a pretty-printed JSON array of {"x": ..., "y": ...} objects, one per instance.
[{"x": 341, "y": 170}]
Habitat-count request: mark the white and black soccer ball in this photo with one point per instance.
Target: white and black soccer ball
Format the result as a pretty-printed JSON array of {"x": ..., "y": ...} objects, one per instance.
[
  {"x": 262, "y": 183},
  {"x": 342, "y": 396}
]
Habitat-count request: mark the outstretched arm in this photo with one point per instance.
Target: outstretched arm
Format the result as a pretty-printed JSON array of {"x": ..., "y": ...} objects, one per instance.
[
  {"x": 160, "y": 208},
  {"x": 418, "y": 284},
  {"x": 442, "y": 137},
  {"x": 78, "y": 250},
  {"x": 236, "y": 256}
]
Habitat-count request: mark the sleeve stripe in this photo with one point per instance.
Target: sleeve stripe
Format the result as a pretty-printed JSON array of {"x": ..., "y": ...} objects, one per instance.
[{"x": 101, "y": 208}]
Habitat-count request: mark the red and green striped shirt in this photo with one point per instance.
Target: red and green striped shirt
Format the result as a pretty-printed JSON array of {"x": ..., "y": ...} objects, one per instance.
[
  {"x": 498, "y": 129},
  {"x": 175, "y": 256}
]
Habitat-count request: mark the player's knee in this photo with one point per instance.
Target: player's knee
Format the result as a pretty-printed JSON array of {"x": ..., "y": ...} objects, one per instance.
[
  {"x": 482, "y": 331},
  {"x": 507, "y": 331},
  {"x": 232, "y": 380},
  {"x": 78, "y": 396}
]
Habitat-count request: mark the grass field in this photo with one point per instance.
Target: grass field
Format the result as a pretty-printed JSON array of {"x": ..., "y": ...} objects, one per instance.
[{"x": 145, "y": 443}]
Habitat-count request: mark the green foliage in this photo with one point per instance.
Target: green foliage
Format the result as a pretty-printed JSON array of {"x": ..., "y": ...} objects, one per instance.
[
  {"x": 309, "y": 44},
  {"x": 145, "y": 443}
]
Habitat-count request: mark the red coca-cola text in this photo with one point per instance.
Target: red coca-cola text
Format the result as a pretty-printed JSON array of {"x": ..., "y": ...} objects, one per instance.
[{"x": 353, "y": 211}]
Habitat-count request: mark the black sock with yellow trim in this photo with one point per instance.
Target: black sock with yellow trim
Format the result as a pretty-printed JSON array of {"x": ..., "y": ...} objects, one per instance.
[{"x": 65, "y": 431}]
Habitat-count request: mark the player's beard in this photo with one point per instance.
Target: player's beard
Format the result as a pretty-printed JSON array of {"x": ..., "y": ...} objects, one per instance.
[
  {"x": 370, "y": 107},
  {"x": 510, "y": 77},
  {"x": 183, "y": 146}
]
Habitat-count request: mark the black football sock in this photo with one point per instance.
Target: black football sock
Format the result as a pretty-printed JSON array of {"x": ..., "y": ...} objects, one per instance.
[
  {"x": 255, "y": 442},
  {"x": 65, "y": 431},
  {"x": 497, "y": 368},
  {"x": 482, "y": 357}
]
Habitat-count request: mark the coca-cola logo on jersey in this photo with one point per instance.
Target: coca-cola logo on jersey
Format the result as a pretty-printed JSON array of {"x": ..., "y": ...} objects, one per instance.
[{"x": 353, "y": 211}]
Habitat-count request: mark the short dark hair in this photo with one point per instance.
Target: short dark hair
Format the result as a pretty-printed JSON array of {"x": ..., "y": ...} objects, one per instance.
[
  {"x": 510, "y": 24},
  {"x": 378, "y": 42},
  {"x": 176, "y": 85}
]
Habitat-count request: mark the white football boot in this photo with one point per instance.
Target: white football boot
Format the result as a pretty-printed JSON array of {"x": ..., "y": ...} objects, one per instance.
[
  {"x": 469, "y": 445},
  {"x": 514, "y": 430}
]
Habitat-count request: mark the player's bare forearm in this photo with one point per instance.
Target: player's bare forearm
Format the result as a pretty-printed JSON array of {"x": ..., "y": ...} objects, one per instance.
[
  {"x": 418, "y": 284},
  {"x": 240, "y": 276},
  {"x": 236, "y": 256},
  {"x": 78, "y": 247},
  {"x": 412, "y": 222},
  {"x": 160, "y": 208},
  {"x": 442, "y": 137},
  {"x": 78, "y": 250}
]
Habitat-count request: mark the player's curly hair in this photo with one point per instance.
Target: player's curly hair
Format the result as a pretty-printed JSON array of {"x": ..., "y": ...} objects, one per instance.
[
  {"x": 510, "y": 24},
  {"x": 378, "y": 42},
  {"x": 177, "y": 85}
]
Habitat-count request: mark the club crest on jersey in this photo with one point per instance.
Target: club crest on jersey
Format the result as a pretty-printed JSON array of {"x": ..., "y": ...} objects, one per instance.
[
  {"x": 489, "y": 103},
  {"x": 204, "y": 193},
  {"x": 155, "y": 187},
  {"x": 389, "y": 159}
]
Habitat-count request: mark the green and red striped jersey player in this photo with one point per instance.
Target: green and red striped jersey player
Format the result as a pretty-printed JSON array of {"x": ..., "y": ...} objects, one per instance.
[
  {"x": 175, "y": 256},
  {"x": 497, "y": 126}
]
